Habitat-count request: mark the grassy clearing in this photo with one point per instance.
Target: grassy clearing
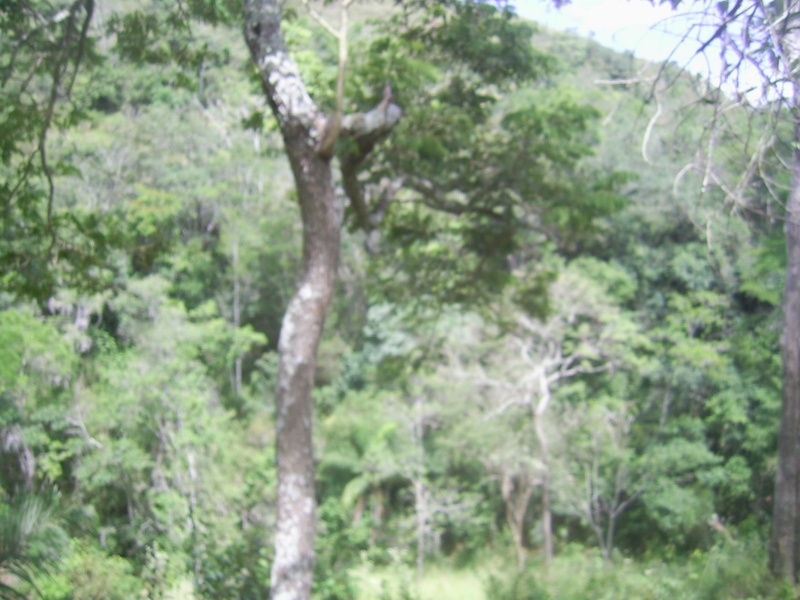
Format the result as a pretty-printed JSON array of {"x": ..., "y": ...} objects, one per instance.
[
  {"x": 726, "y": 572},
  {"x": 438, "y": 583}
]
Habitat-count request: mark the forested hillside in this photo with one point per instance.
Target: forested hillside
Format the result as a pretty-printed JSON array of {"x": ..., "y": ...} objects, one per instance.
[{"x": 550, "y": 368}]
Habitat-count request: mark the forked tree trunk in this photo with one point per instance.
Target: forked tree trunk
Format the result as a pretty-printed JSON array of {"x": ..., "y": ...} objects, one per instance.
[
  {"x": 298, "y": 118},
  {"x": 303, "y": 128}
]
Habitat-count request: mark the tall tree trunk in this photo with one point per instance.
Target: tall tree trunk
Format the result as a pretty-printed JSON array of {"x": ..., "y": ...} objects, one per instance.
[
  {"x": 237, "y": 316},
  {"x": 303, "y": 128},
  {"x": 421, "y": 510},
  {"x": 541, "y": 436},
  {"x": 300, "y": 124},
  {"x": 786, "y": 522},
  {"x": 420, "y": 500},
  {"x": 785, "y": 547},
  {"x": 301, "y": 330},
  {"x": 517, "y": 496},
  {"x": 547, "y": 517}
]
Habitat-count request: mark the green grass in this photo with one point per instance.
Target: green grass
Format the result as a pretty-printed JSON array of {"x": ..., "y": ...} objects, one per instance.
[
  {"x": 438, "y": 583},
  {"x": 725, "y": 572}
]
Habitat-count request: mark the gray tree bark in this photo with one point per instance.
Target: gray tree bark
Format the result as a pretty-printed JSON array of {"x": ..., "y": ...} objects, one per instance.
[
  {"x": 785, "y": 546},
  {"x": 541, "y": 436},
  {"x": 517, "y": 492},
  {"x": 786, "y": 519},
  {"x": 302, "y": 126}
]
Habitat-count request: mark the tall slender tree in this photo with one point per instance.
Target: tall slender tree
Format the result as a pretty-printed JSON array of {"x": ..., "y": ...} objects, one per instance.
[
  {"x": 308, "y": 137},
  {"x": 785, "y": 548},
  {"x": 758, "y": 45}
]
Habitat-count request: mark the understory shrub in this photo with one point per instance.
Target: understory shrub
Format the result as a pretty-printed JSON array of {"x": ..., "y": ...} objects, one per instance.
[{"x": 519, "y": 586}]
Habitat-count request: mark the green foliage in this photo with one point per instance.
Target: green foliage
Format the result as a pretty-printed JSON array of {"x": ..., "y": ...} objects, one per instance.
[
  {"x": 734, "y": 571},
  {"x": 31, "y": 542},
  {"x": 403, "y": 592},
  {"x": 364, "y": 460},
  {"x": 45, "y": 47},
  {"x": 152, "y": 220},
  {"x": 88, "y": 573},
  {"x": 480, "y": 175},
  {"x": 150, "y": 404},
  {"x": 518, "y": 174},
  {"x": 763, "y": 280},
  {"x": 33, "y": 355},
  {"x": 159, "y": 34},
  {"x": 38, "y": 367},
  {"x": 491, "y": 42},
  {"x": 339, "y": 545},
  {"x": 726, "y": 570},
  {"x": 520, "y": 586}
]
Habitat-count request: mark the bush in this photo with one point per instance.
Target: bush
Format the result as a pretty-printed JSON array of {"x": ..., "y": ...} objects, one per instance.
[
  {"x": 734, "y": 570},
  {"x": 403, "y": 592},
  {"x": 338, "y": 548},
  {"x": 520, "y": 586},
  {"x": 89, "y": 573}
]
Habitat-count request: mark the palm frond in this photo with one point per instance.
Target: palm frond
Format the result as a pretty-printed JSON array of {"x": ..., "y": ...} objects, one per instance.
[{"x": 30, "y": 540}]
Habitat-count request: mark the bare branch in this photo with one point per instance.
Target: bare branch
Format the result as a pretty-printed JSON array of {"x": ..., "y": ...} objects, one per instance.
[
  {"x": 650, "y": 125},
  {"x": 322, "y": 20},
  {"x": 501, "y": 409},
  {"x": 366, "y": 130}
]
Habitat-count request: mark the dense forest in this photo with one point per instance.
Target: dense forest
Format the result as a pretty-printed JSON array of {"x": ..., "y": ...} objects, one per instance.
[{"x": 549, "y": 319}]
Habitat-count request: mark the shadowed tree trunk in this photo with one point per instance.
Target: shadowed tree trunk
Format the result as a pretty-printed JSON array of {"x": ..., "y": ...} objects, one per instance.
[
  {"x": 541, "y": 437},
  {"x": 303, "y": 128},
  {"x": 786, "y": 521},
  {"x": 517, "y": 491},
  {"x": 785, "y": 547}
]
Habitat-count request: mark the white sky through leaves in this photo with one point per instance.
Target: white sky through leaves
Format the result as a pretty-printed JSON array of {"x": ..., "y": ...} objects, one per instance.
[{"x": 650, "y": 32}]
